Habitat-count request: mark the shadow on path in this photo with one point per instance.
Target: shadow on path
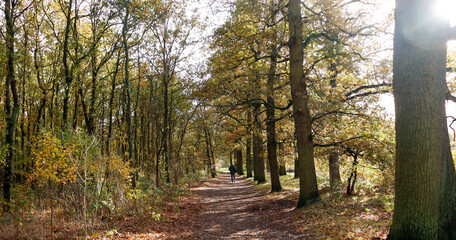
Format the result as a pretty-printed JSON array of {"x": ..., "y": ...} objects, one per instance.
[{"x": 236, "y": 211}]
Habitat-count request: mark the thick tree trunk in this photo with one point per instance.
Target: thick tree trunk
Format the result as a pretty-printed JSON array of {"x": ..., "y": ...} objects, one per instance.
[
  {"x": 258, "y": 157},
  {"x": 425, "y": 202},
  {"x": 11, "y": 112},
  {"x": 296, "y": 163},
  {"x": 334, "y": 172},
  {"x": 239, "y": 163},
  {"x": 307, "y": 177}
]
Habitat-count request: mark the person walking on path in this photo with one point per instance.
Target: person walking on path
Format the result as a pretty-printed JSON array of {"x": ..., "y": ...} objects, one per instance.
[{"x": 232, "y": 169}]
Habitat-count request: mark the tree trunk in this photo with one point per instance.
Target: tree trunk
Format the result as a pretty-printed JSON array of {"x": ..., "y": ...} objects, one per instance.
[
  {"x": 248, "y": 148},
  {"x": 11, "y": 112},
  {"x": 66, "y": 67},
  {"x": 210, "y": 162},
  {"x": 42, "y": 107},
  {"x": 127, "y": 85},
  {"x": 296, "y": 163},
  {"x": 78, "y": 79},
  {"x": 166, "y": 120},
  {"x": 159, "y": 148},
  {"x": 334, "y": 172},
  {"x": 425, "y": 202},
  {"x": 91, "y": 115},
  {"x": 136, "y": 159},
  {"x": 166, "y": 129},
  {"x": 239, "y": 163},
  {"x": 308, "y": 192},
  {"x": 25, "y": 79},
  {"x": 211, "y": 148},
  {"x": 281, "y": 160},
  {"x": 248, "y": 157},
  {"x": 111, "y": 106},
  {"x": 271, "y": 124},
  {"x": 353, "y": 175},
  {"x": 258, "y": 157}
]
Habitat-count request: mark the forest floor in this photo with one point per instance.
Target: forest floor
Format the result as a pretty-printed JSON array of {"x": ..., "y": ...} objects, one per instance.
[{"x": 219, "y": 209}]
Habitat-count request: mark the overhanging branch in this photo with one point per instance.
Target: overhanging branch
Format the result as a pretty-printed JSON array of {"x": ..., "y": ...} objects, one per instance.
[{"x": 339, "y": 143}]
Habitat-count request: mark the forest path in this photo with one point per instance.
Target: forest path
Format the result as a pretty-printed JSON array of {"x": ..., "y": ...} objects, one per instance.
[{"x": 220, "y": 209}]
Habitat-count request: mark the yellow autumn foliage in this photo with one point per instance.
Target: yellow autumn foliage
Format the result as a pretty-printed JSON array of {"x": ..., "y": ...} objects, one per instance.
[
  {"x": 74, "y": 157},
  {"x": 52, "y": 160}
]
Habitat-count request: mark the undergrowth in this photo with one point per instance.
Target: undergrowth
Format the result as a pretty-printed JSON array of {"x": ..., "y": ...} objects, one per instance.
[{"x": 367, "y": 214}]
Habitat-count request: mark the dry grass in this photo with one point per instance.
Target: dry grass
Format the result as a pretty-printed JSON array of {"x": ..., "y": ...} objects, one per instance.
[{"x": 365, "y": 215}]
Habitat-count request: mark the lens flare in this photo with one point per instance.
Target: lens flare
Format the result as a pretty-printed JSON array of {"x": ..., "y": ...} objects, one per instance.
[{"x": 446, "y": 9}]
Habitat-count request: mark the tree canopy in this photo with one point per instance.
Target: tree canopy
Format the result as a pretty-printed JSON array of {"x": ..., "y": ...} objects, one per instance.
[{"x": 106, "y": 104}]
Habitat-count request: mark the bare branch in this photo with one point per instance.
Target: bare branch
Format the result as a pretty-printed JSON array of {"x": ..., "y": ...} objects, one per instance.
[
  {"x": 374, "y": 86},
  {"x": 339, "y": 143}
]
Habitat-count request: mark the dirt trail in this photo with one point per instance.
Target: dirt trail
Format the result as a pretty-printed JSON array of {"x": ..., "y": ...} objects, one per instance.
[{"x": 224, "y": 210}]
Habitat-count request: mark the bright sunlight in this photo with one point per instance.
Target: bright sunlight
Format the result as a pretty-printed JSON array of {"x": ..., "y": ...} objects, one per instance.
[{"x": 446, "y": 9}]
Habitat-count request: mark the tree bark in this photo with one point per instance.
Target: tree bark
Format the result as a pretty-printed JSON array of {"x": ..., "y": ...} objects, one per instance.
[
  {"x": 248, "y": 156},
  {"x": 136, "y": 159},
  {"x": 334, "y": 172},
  {"x": 209, "y": 153},
  {"x": 127, "y": 85},
  {"x": 166, "y": 114},
  {"x": 425, "y": 202},
  {"x": 66, "y": 67},
  {"x": 111, "y": 106},
  {"x": 271, "y": 124},
  {"x": 296, "y": 163},
  {"x": 282, "y": 167},
  {"x": 258, "y": 158},
  {"x": 239, "y": 163},
  {"x": 353, "y": 175},
  {"x": 42, "y": 107},
  {"x": 11, "y": 112},
  {"x": 248, "y": 146},
  {"x": 78, "y": 79},
  {"x": 308, "y": 192}
]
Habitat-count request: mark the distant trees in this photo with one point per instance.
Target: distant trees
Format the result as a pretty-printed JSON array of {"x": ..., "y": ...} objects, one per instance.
[
  {"x": 91, "y": 84},
  {"x": 251, "y": 76},
  {"x": 243, "y": 67},
  {"x": 425, "y": 203},
  {"x": 112, "y": 84}
]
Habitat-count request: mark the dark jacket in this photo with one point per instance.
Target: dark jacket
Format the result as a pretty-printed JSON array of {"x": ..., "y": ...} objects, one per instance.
[{"x": 232, "y": 169}]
